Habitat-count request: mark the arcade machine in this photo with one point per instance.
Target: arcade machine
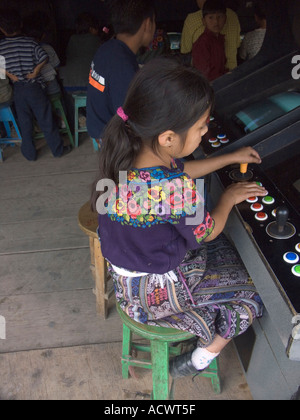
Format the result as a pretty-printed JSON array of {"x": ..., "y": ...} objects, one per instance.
[
  {"x": 266, "y": 231},
  {"x": 264, "y": 85}
]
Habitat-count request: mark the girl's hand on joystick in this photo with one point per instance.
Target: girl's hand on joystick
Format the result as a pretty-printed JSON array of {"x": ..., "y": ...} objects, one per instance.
[{"x": 246, "y": 155}]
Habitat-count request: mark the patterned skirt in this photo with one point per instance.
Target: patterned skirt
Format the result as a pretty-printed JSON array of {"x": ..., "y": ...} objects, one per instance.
[{"x": 211, "y": 293}]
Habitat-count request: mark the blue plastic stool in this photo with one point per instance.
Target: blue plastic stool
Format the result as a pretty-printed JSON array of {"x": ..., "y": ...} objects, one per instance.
[
  {"x": 7, "y": 117},
  {"x": 79, "y": 102},
  {"x": 96, "y": 145}
]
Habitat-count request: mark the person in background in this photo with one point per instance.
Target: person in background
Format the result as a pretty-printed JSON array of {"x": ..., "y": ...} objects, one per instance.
[
  {"x": 115, "y": 63},
  {"x": 35, "y": 29},
  {"x": 24, "y": 60},
  {"x": 208, "y": 53},
  {"x": 193, "y": 27},
  {"x": 81, "y": 49},
  {"x": 170, "y": 263},
  {"x": 253, "y": 40},
  {"x": 6, "y": 92},
  {"x": 160, "y": 45}
]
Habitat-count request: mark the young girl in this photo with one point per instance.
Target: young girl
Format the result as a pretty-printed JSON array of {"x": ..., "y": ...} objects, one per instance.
[{"x": 169, "y": 267}]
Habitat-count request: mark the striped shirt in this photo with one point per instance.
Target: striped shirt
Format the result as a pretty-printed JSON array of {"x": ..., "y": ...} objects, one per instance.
[{"x": 22, "y": 55}]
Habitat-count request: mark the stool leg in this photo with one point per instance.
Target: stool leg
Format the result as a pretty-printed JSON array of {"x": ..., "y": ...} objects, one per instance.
[
  {"x": 60, "y": 108},
  {"x": 7, "y": 128},
  {"x": 76, "y": 126},
  {"x": 95, "y": 145},
  {"x": 126, "y": 351},
  {"x": 215, "y": 378},
  {"x": 160, "y": 369},
  {"x": 100, "y": 279}
]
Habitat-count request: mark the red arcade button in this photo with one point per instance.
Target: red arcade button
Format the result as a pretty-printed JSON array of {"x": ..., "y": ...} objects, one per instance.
[
  {"x": 261, "y": 216},
  {"x": 256, "y": 207}
]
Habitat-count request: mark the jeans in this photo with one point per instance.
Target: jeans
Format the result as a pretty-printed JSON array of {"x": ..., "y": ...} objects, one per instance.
[{"x": 31, "y": 100}]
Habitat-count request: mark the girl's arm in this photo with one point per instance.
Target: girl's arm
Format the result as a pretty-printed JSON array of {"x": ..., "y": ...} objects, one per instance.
[
  {"x": 199, "y": 168},
  {"x": 234, "y": 194}
]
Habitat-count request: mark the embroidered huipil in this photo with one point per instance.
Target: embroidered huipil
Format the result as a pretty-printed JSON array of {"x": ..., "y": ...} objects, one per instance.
[{"x": 145, "y": 223}]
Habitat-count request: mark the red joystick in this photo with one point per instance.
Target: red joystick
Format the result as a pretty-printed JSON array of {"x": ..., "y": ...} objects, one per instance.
[{"x": 281, "y": 228}]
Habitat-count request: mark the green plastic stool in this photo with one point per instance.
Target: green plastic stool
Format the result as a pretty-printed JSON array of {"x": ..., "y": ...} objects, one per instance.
[
  {"x": 79, "y": 102},
  {"x": 58, "y": 106},
  {"x": 161, "y": 340}
]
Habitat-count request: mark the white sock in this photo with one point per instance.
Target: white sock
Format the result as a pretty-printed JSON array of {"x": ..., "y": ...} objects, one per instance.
[{"x": 201, "y": 358}]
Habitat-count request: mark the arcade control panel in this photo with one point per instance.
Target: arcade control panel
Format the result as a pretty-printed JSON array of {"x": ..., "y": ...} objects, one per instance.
[
  {"x": 216, "y": 138},
  {"x": 275, "y": 227}
]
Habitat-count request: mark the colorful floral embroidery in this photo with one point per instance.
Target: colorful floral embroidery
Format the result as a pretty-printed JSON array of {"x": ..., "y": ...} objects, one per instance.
[
  {"x": 204, "y": 229},
  {"x": 155, "y": 195}
]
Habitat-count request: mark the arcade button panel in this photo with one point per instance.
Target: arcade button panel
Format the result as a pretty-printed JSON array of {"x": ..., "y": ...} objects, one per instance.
[
  {"x": 216, "y": 137},
  {"x": 275, "y": 226}
]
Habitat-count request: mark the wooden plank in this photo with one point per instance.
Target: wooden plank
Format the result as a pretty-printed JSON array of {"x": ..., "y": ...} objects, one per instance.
[
  {"x": 93, "y": 372},
  {"x": 49, "y": 272},
  {"x": 46, "y": 197},
  {"x": 83, "y": 158},
  {"x": 41, "y": 235},
  {"x": 56, "y": 319}
]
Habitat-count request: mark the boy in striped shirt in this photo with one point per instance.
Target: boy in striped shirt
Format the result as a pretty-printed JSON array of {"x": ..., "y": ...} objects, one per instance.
[{"x": 24, "y": 59}]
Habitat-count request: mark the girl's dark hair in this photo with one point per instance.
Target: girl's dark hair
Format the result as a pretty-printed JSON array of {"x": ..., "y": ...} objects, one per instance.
[
  {"x": 164, "y": 95},
  {"x": 127, "y": 16}
]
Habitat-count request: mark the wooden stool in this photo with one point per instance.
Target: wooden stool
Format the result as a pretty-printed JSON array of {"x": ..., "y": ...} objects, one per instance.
[
  {"x": 88, "y": 223},
  {"x": 160, "y": 348}
]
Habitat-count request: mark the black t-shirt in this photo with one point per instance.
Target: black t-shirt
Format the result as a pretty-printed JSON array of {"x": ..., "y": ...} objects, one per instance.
[{"x": 112, "y": 70}]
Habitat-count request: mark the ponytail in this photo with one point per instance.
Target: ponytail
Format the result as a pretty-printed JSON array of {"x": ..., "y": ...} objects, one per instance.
[
  {"x": 119, "y": 149},
  {"x": 163, "y": 95}
]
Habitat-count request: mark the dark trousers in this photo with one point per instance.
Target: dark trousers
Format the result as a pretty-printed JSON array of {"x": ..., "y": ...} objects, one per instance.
[{"x": 31, "y": 100}]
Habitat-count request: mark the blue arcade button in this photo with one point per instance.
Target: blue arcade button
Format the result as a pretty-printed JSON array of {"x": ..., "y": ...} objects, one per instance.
[{"x": 291, "y": 257}]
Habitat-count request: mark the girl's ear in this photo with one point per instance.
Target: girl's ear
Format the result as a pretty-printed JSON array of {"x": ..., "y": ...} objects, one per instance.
[{"x": 167, "y": 138}]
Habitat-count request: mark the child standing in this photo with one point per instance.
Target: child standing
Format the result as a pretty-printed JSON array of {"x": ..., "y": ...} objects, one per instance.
[
  {"x": 115, "y": 63},
  {"x": 168, "y": 270},
  {"x": 208, "y": 52},
  {"x": 35, "y": 29},
  {"x": 24, "y": 59}
]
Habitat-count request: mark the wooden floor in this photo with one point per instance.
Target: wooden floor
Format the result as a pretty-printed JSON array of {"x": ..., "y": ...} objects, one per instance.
[{"x": 56, "y": 346}]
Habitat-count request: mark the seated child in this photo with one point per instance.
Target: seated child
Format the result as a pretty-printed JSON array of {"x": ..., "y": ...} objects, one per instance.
[
  {"x": 208, "y": 52},
  {"x": 253, "y": 40},
  {"x": 170, "y": 264}
]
